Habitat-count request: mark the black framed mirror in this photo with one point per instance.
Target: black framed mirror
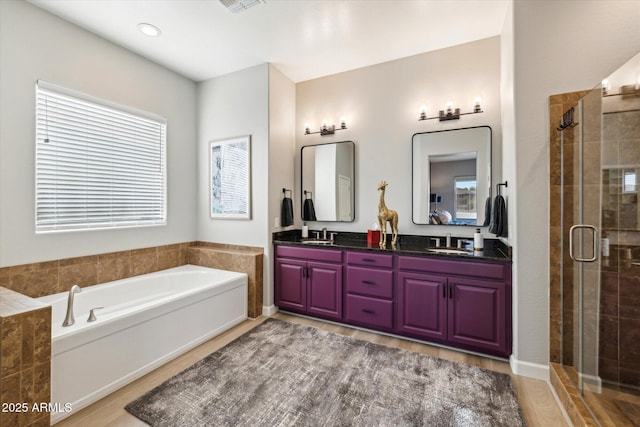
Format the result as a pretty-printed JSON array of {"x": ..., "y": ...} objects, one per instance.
[
  {"x": 328, "y": 182},
  {"x": 451, "y": 182}
]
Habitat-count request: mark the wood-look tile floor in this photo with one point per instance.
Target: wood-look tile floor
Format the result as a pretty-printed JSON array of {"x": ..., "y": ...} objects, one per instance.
[{"x": 536, "y": 399}]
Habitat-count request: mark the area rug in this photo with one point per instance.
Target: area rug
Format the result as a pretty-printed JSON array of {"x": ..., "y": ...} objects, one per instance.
[{"x": 285, "y": 374}]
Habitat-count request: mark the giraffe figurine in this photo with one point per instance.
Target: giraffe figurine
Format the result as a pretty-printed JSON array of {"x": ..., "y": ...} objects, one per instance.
[{"x": 386, "y": 215}]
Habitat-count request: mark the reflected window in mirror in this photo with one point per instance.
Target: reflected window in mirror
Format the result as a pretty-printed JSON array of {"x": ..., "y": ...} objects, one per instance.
[
  {"x": 452, "y": 176},
  {"x": 328, "y": 182}
]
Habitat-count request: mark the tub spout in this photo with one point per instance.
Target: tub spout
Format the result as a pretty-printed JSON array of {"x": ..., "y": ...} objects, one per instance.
[{"x": 69, "y": 319}]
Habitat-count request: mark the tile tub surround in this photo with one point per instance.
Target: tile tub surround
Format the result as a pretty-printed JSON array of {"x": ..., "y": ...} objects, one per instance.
[
  {"x": 25, "y": 358},
  {"x": 25, "y": 324},
  {"x": 243, "y": 259},
  {"x": 50, "y": 277}
]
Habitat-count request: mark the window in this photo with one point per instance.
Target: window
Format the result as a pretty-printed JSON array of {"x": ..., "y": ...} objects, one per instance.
[
  {"x": 465, "y": 200},
  {"x": 98, "y": 165},
  {"x": 629, "y": 181}
]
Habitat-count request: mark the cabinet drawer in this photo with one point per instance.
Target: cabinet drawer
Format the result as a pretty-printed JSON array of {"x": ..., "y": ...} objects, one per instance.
[
  {"x": 370, "y": 260},
  {"x": 330, "y": 255},
  {"x": 370, "y": 311},
  {"x": 459, "y": 268},
  {"x": 371, "y": 282}
]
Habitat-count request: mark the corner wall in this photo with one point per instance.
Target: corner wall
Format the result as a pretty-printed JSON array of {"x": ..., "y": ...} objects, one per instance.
[
  {"x": 38, "y": 45},
  {"x": 588, "y": 40}
]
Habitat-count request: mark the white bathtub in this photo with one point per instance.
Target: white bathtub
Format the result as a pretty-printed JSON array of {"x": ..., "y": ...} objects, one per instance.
[{"x": 146, "y": 321}]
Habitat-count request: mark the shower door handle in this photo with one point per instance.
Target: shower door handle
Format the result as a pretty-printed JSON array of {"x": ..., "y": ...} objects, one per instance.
[{"x": 595, "y": 242}]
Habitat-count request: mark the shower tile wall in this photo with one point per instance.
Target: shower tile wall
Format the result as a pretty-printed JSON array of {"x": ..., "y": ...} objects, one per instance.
[
  {"x": 619, "y": 359},
  {"x": 560, "y": 328}
]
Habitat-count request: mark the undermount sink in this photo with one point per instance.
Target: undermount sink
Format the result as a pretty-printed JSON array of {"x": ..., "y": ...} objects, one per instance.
[
  {"x": 451, "y": 251},
  {"x": 317, "y": 242}
]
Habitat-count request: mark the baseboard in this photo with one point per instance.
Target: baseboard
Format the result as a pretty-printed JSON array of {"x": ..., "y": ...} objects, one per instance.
[
  {"x": 592, "y": 382},
  {"x": 528, "y": 369},
  {"x": 269, "y": 310}
]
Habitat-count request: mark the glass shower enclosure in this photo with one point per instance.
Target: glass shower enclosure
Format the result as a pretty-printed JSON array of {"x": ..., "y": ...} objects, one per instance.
[{"x": 600, "y": 259}]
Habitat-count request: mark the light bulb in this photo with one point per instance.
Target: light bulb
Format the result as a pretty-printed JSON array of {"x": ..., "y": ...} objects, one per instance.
[{"x": 149, "y": 29}]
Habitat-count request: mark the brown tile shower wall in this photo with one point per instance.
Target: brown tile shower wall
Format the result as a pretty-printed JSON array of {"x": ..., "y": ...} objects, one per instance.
[
  {"x": 561, "y": 298},
  {"x": 619, "y": 357},
  {"x": 25, "y": 360},
  {"x": 558, "y": 330}
]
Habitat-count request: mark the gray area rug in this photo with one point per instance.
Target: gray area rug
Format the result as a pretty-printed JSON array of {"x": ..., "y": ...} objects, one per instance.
[{"x": 285, "y": 374}]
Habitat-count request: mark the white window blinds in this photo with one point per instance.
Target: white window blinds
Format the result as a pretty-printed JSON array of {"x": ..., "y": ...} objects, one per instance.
[{"x": 98, "y": 165}]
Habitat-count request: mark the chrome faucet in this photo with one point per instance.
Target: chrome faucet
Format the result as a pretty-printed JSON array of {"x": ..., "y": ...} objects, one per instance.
[
  {"x": 324, "y": 233},
  {"x": 448, "y": 240},
  {"x": 69, "y": 319}
]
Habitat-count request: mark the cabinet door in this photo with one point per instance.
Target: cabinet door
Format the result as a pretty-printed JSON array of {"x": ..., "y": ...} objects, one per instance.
[
  {"x": 477, "y": 313},
  {"x": 290, "y": 284},
  {"x": 422, "y": 305},
  {"x": 325, "y": 290}
]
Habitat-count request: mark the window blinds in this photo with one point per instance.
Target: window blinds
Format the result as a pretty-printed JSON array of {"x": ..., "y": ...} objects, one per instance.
[{"x": 97, "y": 165}]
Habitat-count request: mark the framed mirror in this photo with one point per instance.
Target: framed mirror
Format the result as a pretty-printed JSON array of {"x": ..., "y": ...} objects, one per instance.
[
  {"x": 328, "y": 182},
  {"x": 452, "y": 177}
]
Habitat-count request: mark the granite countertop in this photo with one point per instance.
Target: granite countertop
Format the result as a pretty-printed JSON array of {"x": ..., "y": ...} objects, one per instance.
[{"x": 494, "y": 249}]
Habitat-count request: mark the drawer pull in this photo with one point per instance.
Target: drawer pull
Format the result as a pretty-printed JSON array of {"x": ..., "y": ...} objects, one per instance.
[
  {"x": 369, "y": 282},
  {"x": 366, "y": 310},
  {"x": 368, "y": 259}
]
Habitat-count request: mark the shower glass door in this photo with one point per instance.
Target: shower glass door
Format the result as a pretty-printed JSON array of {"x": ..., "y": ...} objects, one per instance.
[{"x": 601, "y": 253}]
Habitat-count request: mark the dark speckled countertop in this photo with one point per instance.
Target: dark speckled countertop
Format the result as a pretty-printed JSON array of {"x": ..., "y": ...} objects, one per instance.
[{"x": 494, "y": 249}]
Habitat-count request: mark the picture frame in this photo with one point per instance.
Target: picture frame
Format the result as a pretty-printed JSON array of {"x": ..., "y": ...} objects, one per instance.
[{"x": 230, "y": 178}]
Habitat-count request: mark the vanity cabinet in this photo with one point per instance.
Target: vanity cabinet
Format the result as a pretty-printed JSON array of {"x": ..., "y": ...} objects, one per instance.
[
  {"x": 461, "y": 303},
  {"x": 369, "y": 290},
  {"x": 309, "y": 281}
]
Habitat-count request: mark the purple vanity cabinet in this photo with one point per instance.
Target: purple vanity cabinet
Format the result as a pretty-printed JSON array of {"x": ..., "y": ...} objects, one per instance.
[
  {"x": 477, "y": 314},
  {"x": 422, "y": 305},
  {"x": 464, "y": 304},
  {"x": 369, "y": 290},
  {"x": 458, "y": 302},
  {"x": 309, "y": 281},
  {"x": 291, "y": 284}
]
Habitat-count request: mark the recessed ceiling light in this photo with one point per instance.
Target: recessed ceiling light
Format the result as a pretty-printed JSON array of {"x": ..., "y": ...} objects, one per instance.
[{"x": 149, "y": 30}]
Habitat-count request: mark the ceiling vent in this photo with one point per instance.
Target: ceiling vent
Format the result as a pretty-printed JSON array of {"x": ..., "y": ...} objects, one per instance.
[{"x": 237, "y": 6}]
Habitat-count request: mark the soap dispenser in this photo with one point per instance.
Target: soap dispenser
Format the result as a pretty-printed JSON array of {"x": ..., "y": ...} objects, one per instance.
[{"x": 478, "y": 241}]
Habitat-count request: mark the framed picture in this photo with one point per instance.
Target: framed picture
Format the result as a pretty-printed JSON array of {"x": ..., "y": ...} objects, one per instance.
[{"x": 230, "y": 178}]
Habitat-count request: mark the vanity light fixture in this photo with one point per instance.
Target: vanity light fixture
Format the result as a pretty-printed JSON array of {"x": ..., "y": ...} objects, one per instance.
[
  {"x": 630, "y": 90},
  {"x": 149, "y": 29},
  {"x": 451, "y": 113},
  {"x": 325, "y": 129}
]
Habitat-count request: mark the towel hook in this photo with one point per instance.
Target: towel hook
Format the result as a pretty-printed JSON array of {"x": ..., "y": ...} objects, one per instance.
[
  {"x": 501, "y": 184},
  {"x": 284, "y": 191},
  {"x": 308, "y": 192}
]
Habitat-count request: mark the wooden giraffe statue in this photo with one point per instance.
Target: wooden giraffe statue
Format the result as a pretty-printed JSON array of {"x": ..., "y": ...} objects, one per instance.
[{"x": 385, "y": 215}]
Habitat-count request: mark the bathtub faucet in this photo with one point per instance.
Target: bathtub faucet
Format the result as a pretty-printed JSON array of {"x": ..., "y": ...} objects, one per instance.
[{"x": 69, "y": 319}]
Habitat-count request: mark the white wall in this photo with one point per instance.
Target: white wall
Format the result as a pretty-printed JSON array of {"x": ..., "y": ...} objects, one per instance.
[
  {"x": 381, "y": 104},
  {"x": 282, "y": 114},
  {"x": 237, "y": 104},
  {"x": 556, "y": 47},
  {"x": 37, "y": 45},
  {"x": 228, "y": 106}
]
